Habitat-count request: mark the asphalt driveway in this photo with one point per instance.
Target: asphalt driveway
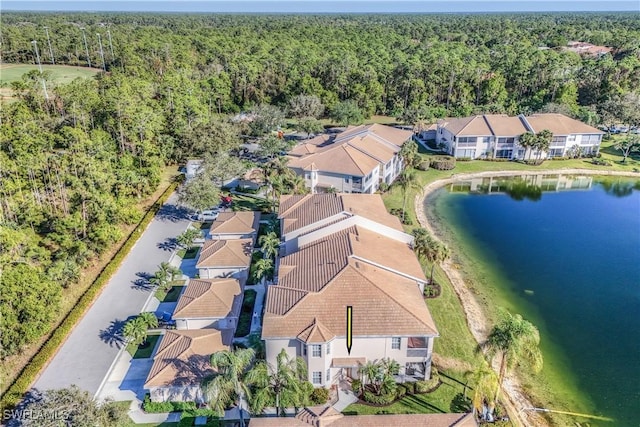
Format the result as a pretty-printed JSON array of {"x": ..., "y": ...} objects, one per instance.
[{"x": 86, "y": 356}]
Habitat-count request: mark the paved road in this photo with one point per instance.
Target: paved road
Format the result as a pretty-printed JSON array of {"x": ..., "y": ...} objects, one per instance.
[{"x": 87, "y": 354}]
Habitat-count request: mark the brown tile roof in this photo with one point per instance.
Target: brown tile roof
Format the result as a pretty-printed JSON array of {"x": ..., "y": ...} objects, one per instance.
[
  {"x": 383, "y": 303},
  {"x": 225, "y": 253},
  {"x": 560, "y": 124},
  {"x": 467, "y": 126},
  {"x": 316, "y": 333},
  {"x": 241, "y": 222},
  {"x": 209, "y": 298},
  {"x": 301, "y": 211},
  {"x": 331, "y": 418},
  {"x": 183, "y": 357},
  {"x": 356, "y": 151},
  {"x": 503, "y": 125}
]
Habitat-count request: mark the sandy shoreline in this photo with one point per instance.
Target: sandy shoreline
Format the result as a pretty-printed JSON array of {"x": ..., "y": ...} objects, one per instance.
[{"x": 476, "y": 318}]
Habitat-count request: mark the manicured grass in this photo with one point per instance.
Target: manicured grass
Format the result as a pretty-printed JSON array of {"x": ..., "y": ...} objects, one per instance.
[
  {"x": 437, "y": 402},
  {"x": 143, "y": 352},
  {"x": 173, "y": 294},
  {"x": 243, "y": 202},
  {"x": 244, "y": 323},
  {"x": 189, "y": 253},
  {"x": 59, "y": 73}
]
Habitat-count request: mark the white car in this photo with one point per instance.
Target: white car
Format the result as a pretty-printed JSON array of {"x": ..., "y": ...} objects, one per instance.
[{"x": 208, "y": 215}]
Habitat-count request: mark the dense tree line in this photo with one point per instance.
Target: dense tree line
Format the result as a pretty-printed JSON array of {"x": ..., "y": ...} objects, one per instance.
[{"x": 73, "y": 166}]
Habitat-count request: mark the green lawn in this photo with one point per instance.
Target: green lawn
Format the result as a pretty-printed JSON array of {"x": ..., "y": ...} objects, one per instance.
[
  {"x": 437, "y": 402},
  {"x": 143, "y": 352},
  {"x": 173, "y": 294},
  {"x": 242, "y": 202},
  {"x": 244, "y": 323},
  {"x": 188, "y": 253},
  {"x": 59, "y": 74}
]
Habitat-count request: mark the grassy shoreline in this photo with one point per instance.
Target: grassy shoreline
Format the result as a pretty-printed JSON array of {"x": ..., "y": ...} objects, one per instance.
[{"x": 456, "y": 346}]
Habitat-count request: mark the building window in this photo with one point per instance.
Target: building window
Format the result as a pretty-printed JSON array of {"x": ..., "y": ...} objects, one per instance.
[
  {"x": 506, "y": 140},
  {"x": 346, "y": 179},
  {"x": 304, "y": 349},
  {"x": 555, "y": 152},
  {"x": 316, "y": 377},
  {"x": 328, "y": 375},
  {"x": 504, "y": 154},
  {"x": 486, "y": 140},
  {"x": 468, "y": 141},
  {"x": 328, "y": 348},
  {"x": 316, "y": 350},
  {"x": 466, "y": 154},
  {"x": 395, "y": 343}
]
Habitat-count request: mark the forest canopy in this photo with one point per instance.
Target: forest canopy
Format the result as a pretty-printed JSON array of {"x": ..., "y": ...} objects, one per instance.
[{"x": 73, "y": 167}]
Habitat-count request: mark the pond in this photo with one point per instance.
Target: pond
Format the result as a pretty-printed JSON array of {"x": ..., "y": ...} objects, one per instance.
[{"x": 563, "y": 251}]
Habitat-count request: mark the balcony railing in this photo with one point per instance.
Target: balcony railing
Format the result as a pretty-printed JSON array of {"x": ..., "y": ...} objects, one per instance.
[{"x": 417, "y": 352}]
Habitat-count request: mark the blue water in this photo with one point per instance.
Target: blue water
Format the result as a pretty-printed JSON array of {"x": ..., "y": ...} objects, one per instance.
[{"x": 577, "y": 255}]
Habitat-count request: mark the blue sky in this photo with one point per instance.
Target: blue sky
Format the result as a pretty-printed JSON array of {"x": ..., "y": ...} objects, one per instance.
[{"x": 317, "y": 6}]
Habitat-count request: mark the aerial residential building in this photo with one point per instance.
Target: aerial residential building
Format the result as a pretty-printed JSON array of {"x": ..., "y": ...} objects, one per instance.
[
  {"x": 497, "y": 136},
  {"x": 182, "y": 363},
  {"x": 346, "y": 263},
  {"x": 235, "y": 225},
  {"x": 209, "y": 303},
  {"x": 354, "y": 161},
  {"x": 225, "y": 258}
]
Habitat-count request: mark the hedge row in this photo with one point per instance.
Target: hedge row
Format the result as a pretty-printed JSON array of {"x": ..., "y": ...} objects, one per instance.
[
  {"x": 19, "y": 387},
  {"x": 381, "y": 400},
  {"x": 161, "y": 407},
  {"x": 443, "y": 163}
]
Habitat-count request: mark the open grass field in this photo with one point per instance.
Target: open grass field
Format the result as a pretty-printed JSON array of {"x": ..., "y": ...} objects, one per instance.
[{"x": 59, "y": 74}]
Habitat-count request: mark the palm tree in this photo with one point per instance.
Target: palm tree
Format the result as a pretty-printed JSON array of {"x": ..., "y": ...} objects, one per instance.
[
  {"x": 229, "y": 386},
  {"x": 282, "y": 383},
  {"x": 407, "y": 181},
  {"x": 165, "y": 276},
  {"x": 149, "y": 319},
  {"x": 515, "y": 341},
  {"x": 160, "y": 279},
  {"x": 269, "y": 243},
  {"x": 409, "y": 154},
  {"x": 263, "y": 268},
  {"x": 543, "y": 142},
  {"x": 135, "y": 331},
  {"x": 426, "y": 247},
  {"x": 186, "y": 239},
  {"x": 485, "y": 384},
  {"x": 370, "y": 371},
  {"x": 527, "y": 140}
]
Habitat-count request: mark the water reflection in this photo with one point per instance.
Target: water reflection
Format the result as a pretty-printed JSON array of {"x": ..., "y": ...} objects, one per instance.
[
  {"x": 523, "y": 187},
  {"x": 620, "y": 188}
]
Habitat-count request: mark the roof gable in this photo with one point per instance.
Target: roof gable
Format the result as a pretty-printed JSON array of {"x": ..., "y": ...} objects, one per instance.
[
  {"x": 208, "y": 298},
  {"x": 240, "y": 222},
  {"x": 225, "y": 253}
]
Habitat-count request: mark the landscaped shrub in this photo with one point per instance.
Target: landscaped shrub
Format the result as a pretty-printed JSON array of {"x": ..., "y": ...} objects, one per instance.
[
  {"x": 410, "y": 387},
  {"x": 400, "y": 391},
  {"x": 356, "y": 386},
  {"x": 443, "y": 163},
  {"x": 430, "y": 384},
  {"x": 319, "y": 396},
  {"x": 16, "y": 391},
  {"x": 424, "y": 165},
  {"x": 383, "y": 187},
  {"x": 383, "y": 399},
  {"x": 600, "y": 162},
  {"x": 160, "y": 407}
]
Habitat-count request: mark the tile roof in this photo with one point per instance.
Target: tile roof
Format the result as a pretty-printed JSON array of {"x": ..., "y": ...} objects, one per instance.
[
  {"x": 225, "y": 253},
  {"x": 347, "y": 362},
  {"x": 559, "y": 124},
  {"x": 209, "y": 298},
  {"x": 304, "y": 210},
  {"x": 318, "y": 416},
  {"x": 183, "y": 357},
  {"x": 503, "y": 125},
  {"x": 383, "y": 303},
  {"x": 463, "y": 126},
  {"x": 356, "y": 151},
  {"x": 316, "y": 333},
  {"x": 241, "y": 222}
]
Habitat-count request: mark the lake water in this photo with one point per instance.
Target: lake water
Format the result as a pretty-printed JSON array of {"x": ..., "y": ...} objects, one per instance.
[{"x": 565, "y": 253}]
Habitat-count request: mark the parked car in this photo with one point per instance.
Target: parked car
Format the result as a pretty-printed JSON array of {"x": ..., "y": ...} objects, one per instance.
[{"x": 208, "y": 215}]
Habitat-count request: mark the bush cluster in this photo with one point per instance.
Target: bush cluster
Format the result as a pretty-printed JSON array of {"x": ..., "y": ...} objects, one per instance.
[
  {"x": 383, "y": 399},
  {"x": 319, "y": 396},
  {"x": 160, "y": 407},
  {"x": 22, "y": 383},
  {"x": 490, "y": 159},
  {"x": 430, "y": 384},
  {"x": 424, "y": 165},
  {"x": 444, "y": 163},
  {"x": 400, "y": 391},
  {"x": 600, "y": 162}
]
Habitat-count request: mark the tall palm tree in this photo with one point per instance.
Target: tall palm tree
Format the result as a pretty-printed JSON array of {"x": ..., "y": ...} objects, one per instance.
[
  {"x": 543, "y": 141},
  {"x": 282, "y": 383},
  {"x": 408, "y": 181},
  {"x": 263, "y": 268},
  {"x": 370, "y": 371},
  {"x": 515, "y": 341},
  {"x": 485, "y": 383},
  {"x": 135, "y": 331},
  {"x": 229, "y": 385},
  {"x": 167, "y": 274},
  {"x": 149, "y": 319},
  {"x": 160, "y": 279},
  {"x": 426, "y": 247},
  {"x": 269, "y": 243},
  {"x": 527, "y": 140}
]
